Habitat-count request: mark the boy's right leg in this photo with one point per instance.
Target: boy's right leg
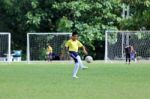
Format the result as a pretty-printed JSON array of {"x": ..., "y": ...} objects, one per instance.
[
  {"x": 76, "y": 67},
  {"x": 75, "y": 71}
]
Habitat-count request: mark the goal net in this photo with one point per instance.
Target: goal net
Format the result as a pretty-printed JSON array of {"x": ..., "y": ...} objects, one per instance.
[
  {"x": 37, "y": 46},
  {"x": 5, "y": 47},
  {"x": 116, "y": 41}
]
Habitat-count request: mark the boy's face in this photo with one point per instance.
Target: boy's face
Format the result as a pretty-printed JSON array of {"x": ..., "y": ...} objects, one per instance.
[{"x": 74, "y": 37}]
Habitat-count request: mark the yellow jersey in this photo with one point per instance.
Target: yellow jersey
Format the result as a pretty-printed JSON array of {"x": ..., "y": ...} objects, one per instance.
[
  {"x": 49, "y": 49},
  {"x": 73, "y": 45}
]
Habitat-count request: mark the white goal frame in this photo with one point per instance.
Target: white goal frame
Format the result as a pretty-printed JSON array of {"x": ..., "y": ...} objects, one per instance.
[
  {"x": 8, "y": 56},
  {"x": 106, "y": 58},
  {"x": 28, "y": 40}
]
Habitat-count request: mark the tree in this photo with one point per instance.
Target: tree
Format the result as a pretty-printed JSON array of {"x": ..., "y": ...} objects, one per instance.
[
  {"x": 139, "y": 15},
  {"x": 90, "y": 18}
]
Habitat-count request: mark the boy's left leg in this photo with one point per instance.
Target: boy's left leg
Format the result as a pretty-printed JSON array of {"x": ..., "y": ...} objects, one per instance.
[{"x": 80, "y": 63}]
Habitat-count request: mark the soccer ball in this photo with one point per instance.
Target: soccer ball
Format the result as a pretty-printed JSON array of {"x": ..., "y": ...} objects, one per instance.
[{"x": 88, "y": 59}]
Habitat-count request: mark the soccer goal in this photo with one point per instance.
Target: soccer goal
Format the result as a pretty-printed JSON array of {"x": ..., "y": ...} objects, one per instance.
[
  {"x": 5, "y": 47},
  {"x": 115, "y": 42},
  {"x": 37, "y": 46}
]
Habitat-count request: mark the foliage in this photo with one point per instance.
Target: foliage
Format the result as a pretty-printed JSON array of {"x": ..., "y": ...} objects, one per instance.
[
  {"x": 140, "y": 15},
  {"x": 89, "y": 17}
]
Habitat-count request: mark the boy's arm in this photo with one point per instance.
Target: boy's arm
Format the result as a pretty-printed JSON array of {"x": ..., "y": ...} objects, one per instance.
[
  {"x": 67, "y": 47},
  {"x": 67, "y": 50},
  {"x": 84, "y": 50}
]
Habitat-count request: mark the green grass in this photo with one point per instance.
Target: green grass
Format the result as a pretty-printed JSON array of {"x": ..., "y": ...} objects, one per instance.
[{"x": 54, "y": 81}]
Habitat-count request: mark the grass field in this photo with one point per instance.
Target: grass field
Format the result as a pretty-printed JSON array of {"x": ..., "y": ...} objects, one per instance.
[{"x": 54, "y": 81}]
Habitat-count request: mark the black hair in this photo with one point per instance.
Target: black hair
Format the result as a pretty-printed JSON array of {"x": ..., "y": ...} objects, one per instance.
[{"x": 74, "y": 33}]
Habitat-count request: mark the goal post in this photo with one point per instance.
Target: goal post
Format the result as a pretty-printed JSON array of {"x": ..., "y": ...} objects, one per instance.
[
  {"x": 37, "y": 44},
  {"x": 5, "y": 47},
  {"x": 115, "y": 42}
]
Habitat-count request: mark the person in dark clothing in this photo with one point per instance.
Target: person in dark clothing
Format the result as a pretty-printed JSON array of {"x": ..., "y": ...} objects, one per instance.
[{"x": 127, "y": 54}]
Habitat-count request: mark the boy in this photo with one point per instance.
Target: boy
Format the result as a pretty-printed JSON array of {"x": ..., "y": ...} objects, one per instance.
[
  {"x": 73, "y": 45},
  {"x": 49, "y": 52}
]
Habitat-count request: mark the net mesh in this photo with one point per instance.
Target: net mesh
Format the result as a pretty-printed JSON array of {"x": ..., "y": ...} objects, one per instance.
[
  {"x": 117, "y": 40},
  {"x": 38, "y": 45},
  {"x": 3, "y": 46}
]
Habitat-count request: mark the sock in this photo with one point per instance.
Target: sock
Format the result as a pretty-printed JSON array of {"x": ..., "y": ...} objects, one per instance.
[{"x": 75, "y": 71}]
